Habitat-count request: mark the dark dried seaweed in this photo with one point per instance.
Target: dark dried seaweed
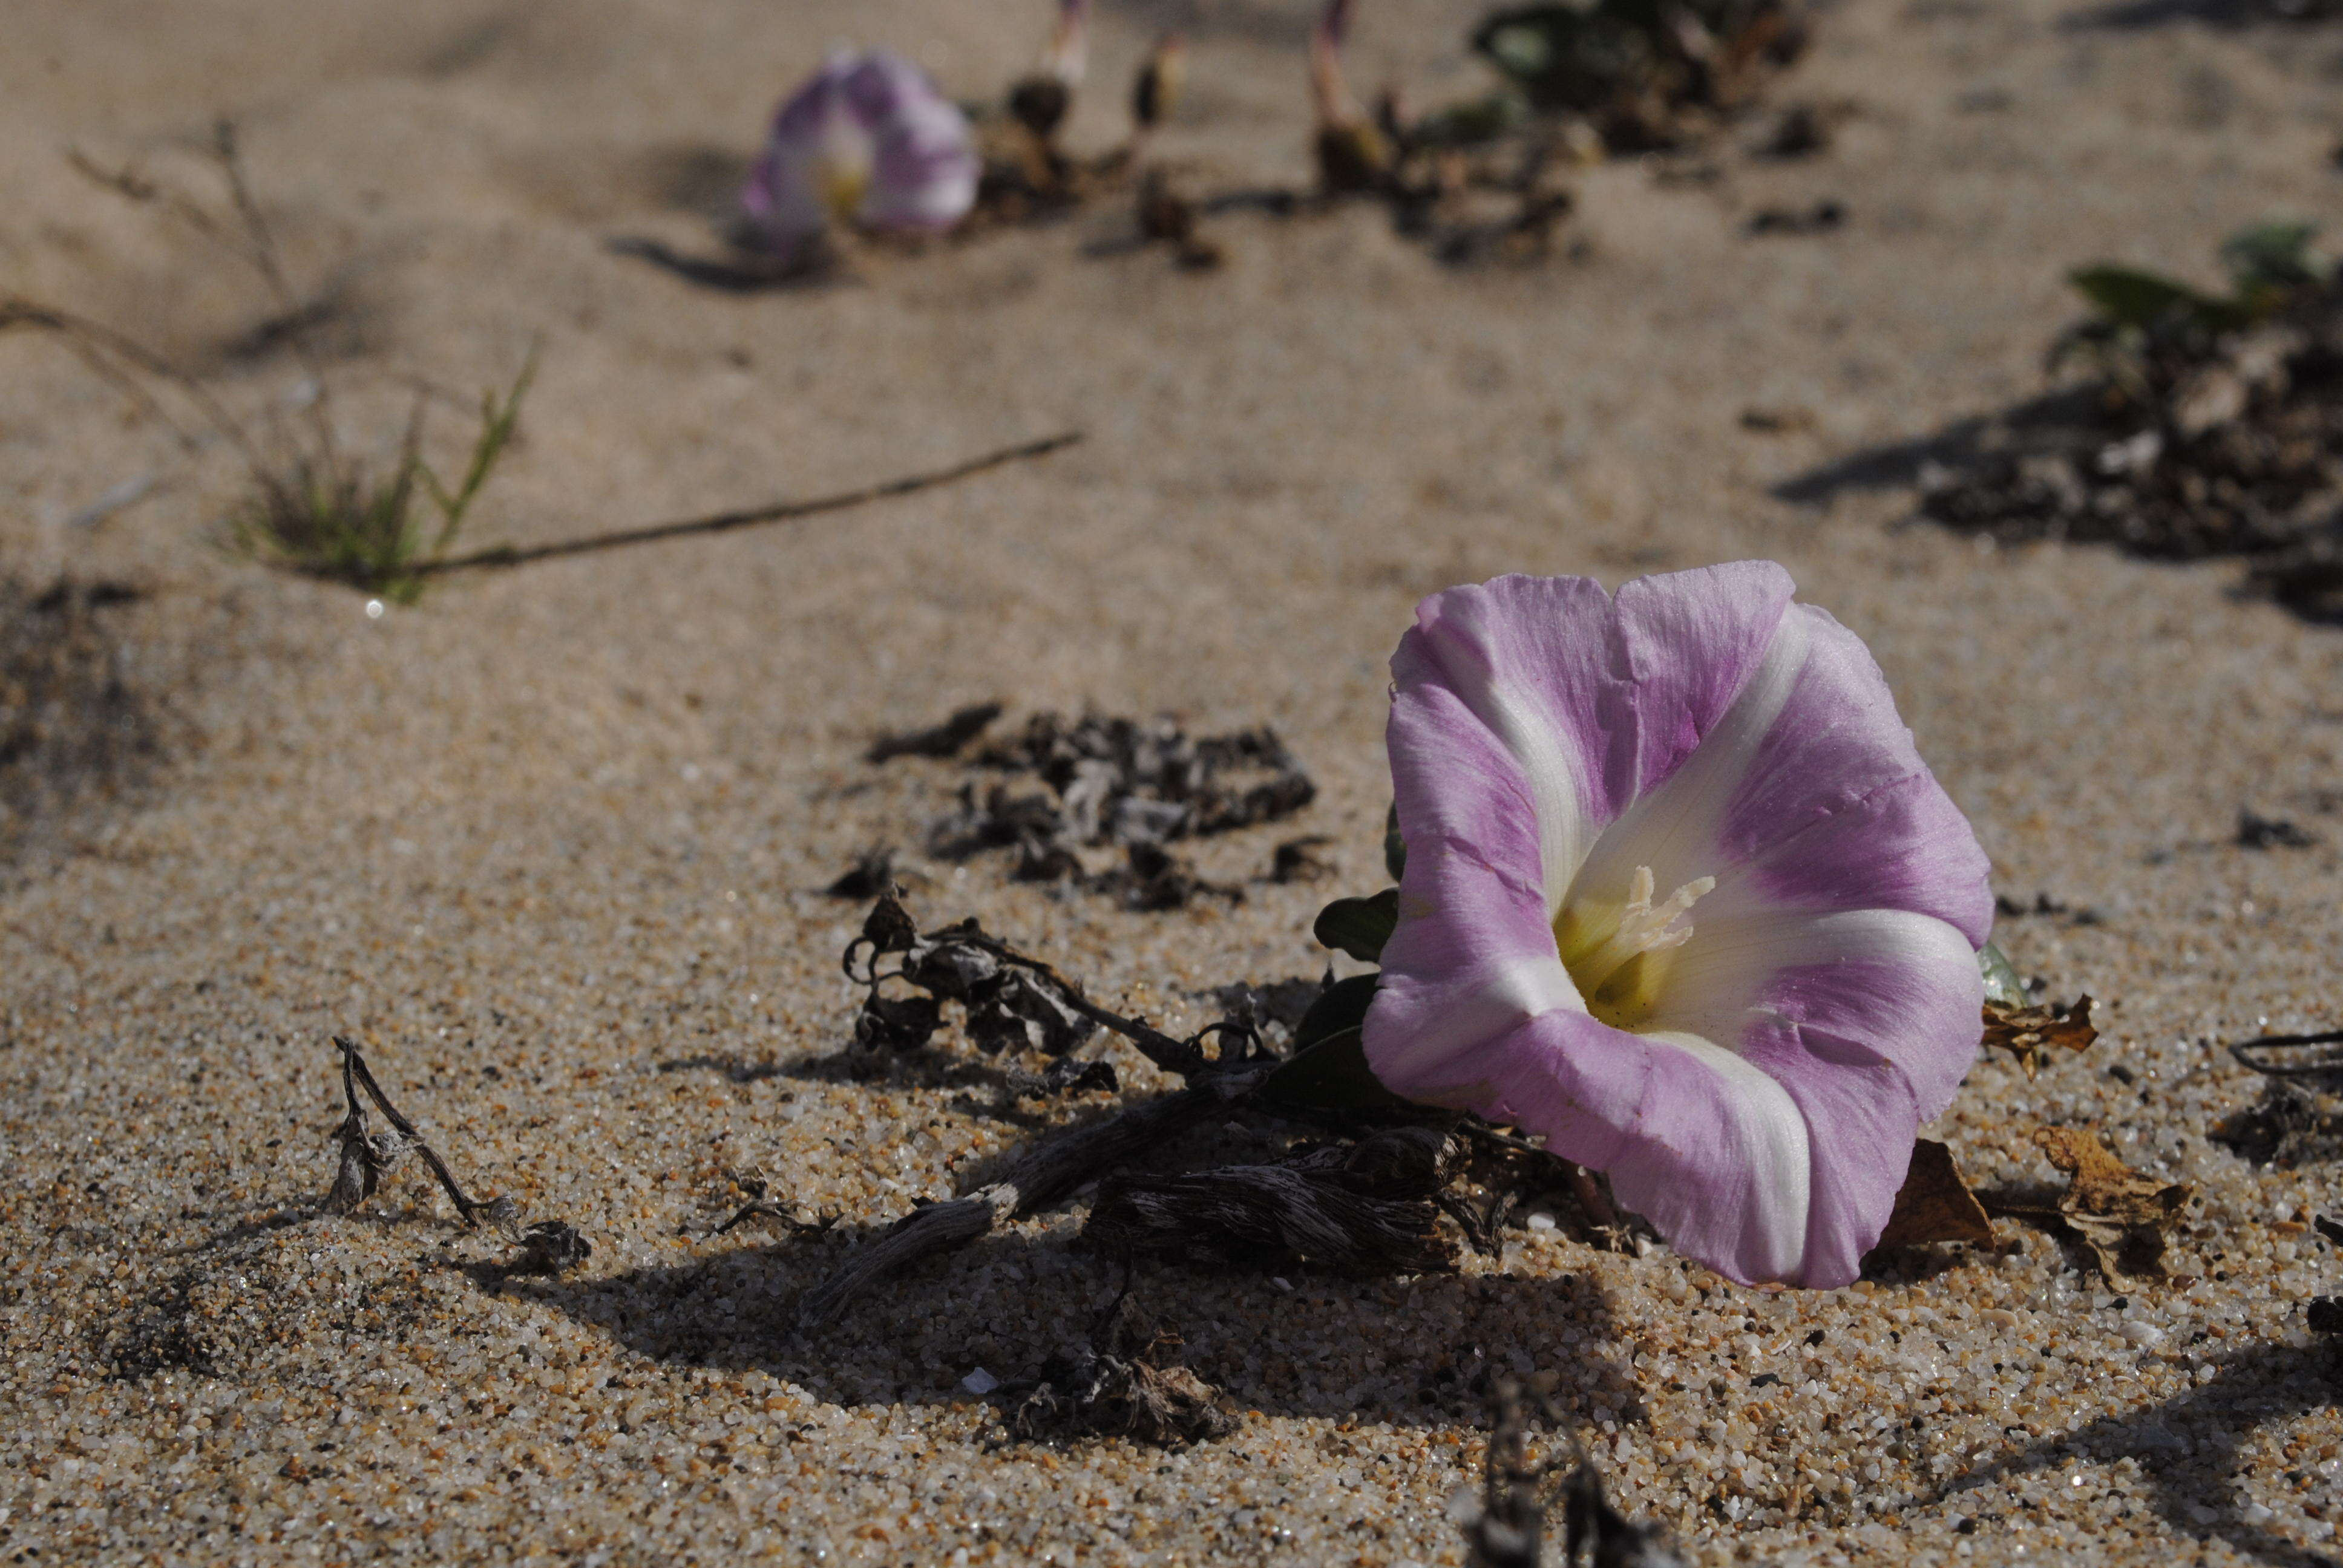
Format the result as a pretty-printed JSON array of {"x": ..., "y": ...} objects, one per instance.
[
  {"x": 2206, "y": 430},
  {"x": 1646, "y": 76},
  {"x": 1126, "y": 1381},
  {"x": 1045, "y": 1176},
  {"x": 1369, "y": 1200},
  {"x": 1369, "y": 1207},
  {"x": 1107, "y": 783}
]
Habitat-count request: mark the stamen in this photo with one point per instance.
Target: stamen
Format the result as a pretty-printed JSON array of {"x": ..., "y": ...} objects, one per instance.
[{"x": 1644, "y": 928}]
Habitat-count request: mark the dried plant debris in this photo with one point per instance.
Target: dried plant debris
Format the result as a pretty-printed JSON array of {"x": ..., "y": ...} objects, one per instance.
[
  {"x": 549, "y": 1247},
  {"x": 1105, "y": 785},
  {"x": 1804, "y": 130},
  {"x": 2044, "y": 906},
  {"x": 1006, "y": 1001},
  {"x": 1125, "y": 1383},
  {"x": 1372, "y": 1207},
  {"x": 1297, "y": 860},
  {"x": 944, "y": 740},
  {"x": 2117, "y": 1215},
  {"x": 2298, "y": 1119},
  {"x": 74, "y": 721},
  {"x": 1029, "y": 174},
  {"x": 2274, "y": 1055},
  {"x": 2324, "y": 1314},
  {"x": 1220, "y": 1064},
  {"x": 1277, "y": 1008},
  {"x": 2205, "y": 426},
  {"x": 1822, "y": 217},
  {"x": 1366, "y": 1197},
  {"x": 366, "y": 1157},
  {"x": 1643, "y": 75},
  {"x": 872, "y": 873},
  {"x": 1935, "y": 1203},
  {"x": 2026, "y": 1032},
  {"x": 1506, "y": 1527},
  {"x": 2256, "y": 831}
]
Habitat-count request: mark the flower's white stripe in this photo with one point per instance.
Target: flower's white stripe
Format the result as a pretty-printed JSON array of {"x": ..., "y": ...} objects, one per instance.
[
  {"x": 1774, "y": 1151},
  {"x": 1713, "y": 979},
  {"x": 1674, "y": 828},
  {"x": 1518, "y": 719}
]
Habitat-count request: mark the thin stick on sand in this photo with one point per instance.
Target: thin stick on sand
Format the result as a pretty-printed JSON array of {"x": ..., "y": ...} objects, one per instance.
[{"x": 724, "y": 522}]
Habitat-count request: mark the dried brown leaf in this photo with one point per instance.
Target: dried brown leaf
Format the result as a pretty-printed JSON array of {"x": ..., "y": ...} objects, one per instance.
[
  {"x": 2118, "y": 1215},
  {"x": 1935, "y": 1205},
  {"x": 2026, "y": 1031}
]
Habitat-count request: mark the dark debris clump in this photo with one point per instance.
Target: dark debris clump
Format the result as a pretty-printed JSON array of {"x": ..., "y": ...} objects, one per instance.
[
  {"x": 2207, "y": 427},
  {"x": 1126, "y": 1382},
  {"x": 2290, "y": 1125},
  {"x": 1366, "y": 1193},
  {"x": 1007, "y": 1001},
  {"x": 549, "y": 1247},
  {"x": 1645, "y": 77},
  {"x": 2256, "y": 831},
  {"x": 1107, "y": 797},
  {"x": 1369, "y": 1207}
]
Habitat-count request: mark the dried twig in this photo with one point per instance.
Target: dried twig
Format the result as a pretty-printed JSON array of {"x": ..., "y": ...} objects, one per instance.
[
  {"x": 365, "y": 1158},
  {"x": 724, "y": 522},
  {"x": 2326, "y": 1065}
]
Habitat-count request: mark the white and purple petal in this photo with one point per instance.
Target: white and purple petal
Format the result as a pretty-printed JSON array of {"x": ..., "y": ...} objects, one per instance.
[
  {"x": 867, "y": 139},
  {"x": 925, "y": 166},
  {"x": 814, "y": 142},
  {"x": 1556, "y": 753}
]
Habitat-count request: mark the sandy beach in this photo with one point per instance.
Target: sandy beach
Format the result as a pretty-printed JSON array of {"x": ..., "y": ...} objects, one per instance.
[{"x": 551, "y": 844}]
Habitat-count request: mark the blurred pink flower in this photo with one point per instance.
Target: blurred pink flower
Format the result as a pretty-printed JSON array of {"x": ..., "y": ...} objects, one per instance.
[
  {"x": 868, "y": 141},
  {"x": 1682, "y": 896}
]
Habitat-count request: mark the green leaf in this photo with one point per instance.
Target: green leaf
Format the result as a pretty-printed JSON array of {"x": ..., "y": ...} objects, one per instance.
[
  {"x": 1341, "y": 1006},
  {"x": 1359, "y": 927},
  {"x": 1329, "y": 1066},
  {"x": 2001, "y": 982},
  {"x": 1394, "y": 847},
  {"x": 2130, "y": 297},
  {"x": 2270, "y": 257},
  {"x": 1472, "y": 122},
  {"x": 1332, "y": 1075},
  {"x": 1528, "y": 43}
]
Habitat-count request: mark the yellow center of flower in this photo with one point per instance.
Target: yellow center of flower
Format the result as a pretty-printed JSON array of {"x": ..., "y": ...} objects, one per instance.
[
  {"x": 1616, "y": 953},
  {"x": 844, "y": 181}
]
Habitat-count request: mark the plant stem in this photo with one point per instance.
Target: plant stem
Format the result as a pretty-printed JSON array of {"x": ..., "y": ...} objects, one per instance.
[{"x": 724, "y": 522}]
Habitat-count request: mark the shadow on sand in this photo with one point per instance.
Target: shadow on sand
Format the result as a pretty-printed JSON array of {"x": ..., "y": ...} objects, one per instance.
[
  {"x": 2191, "y": 1456},
  {"x": 1285, "y": 1347}
]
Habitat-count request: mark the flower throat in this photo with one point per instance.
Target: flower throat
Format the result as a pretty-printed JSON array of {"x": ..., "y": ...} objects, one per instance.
[{"x": 1616, "y": 954}]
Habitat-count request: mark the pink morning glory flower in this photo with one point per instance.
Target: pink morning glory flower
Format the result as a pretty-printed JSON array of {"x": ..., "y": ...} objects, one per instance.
[
  {"x": 1681, "y": 896},
  {"x": 869, "y": 142}
]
